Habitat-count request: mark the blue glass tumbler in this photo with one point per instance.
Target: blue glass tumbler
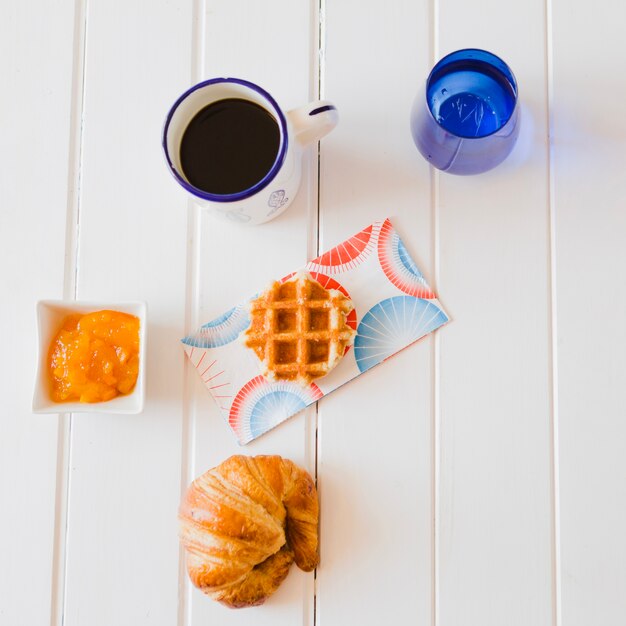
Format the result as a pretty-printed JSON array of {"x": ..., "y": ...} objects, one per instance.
[{"x": 469, "y": 120}]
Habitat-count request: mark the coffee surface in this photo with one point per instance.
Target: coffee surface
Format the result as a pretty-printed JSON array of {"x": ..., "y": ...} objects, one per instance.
[{"x": 229, "y": 146}]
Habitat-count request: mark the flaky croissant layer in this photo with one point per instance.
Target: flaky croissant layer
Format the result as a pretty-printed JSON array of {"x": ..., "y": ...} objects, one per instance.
[{"x": 242, "y": 524}]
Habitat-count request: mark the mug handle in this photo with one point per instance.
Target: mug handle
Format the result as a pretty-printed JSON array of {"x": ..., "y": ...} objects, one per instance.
[{"x": 313, "y": 120}]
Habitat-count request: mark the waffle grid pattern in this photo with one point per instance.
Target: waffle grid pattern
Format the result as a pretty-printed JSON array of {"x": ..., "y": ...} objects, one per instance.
[{"x": 298, "y": 329}]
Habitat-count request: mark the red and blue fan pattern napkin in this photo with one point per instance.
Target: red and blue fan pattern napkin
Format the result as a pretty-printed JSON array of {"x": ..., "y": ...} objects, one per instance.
[{"x": 393, "y": 307}]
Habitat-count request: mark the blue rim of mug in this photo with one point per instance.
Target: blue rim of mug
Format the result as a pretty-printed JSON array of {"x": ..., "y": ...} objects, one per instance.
[
  {"x": 261, "y": 184},
  {"x": 505, "y": 69}
]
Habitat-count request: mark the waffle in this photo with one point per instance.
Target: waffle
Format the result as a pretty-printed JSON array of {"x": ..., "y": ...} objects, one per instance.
[{"x": 298, "y": 329}]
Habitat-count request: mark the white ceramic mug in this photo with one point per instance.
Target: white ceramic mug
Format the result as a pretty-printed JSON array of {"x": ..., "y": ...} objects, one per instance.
[{"x": 271, "y": 195}]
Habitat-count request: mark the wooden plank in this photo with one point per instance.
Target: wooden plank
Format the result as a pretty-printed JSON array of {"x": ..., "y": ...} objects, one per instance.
[
  {"x": 270, "y": 44},
  {"x": 375, "y": 452},
  {"x": 495, "y": 503},
  {"x": 122, "y": 552},
  {"x": 36, "y": 54},
  {"x": 589, "y": 134}
]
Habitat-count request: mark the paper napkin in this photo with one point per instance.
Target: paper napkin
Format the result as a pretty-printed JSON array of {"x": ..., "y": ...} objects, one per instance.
[{"x": 393, "y": 307}]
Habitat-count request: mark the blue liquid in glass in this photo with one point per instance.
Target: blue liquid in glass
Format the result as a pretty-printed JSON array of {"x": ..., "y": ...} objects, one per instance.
[
  {"x": 469, "y": 120},
  {"x": 471, "y": 99}
]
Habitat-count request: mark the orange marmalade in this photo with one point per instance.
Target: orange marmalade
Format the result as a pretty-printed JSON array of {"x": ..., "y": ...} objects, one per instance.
[{"x": 94, "y": 357}]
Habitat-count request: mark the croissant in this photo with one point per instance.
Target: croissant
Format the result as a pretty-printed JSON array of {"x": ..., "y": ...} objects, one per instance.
[{"x": 244, "y": 522}]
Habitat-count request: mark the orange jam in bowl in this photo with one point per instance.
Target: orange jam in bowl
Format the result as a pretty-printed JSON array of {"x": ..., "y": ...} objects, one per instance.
[{"x": 94, "y": 357}]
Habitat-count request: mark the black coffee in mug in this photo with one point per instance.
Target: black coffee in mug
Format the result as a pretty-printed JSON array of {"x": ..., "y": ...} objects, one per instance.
[{"x": 229, "y": 146}]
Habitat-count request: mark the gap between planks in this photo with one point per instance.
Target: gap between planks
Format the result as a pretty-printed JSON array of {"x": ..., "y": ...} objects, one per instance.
[
  {"x": 192, "y": 297},
  {"x": 436, "y": 354},
  {"x": 553, "y": 329},
  {"x": 70, "y": 286}
]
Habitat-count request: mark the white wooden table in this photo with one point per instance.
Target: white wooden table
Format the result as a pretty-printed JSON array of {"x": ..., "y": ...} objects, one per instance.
[{"x": 476, "y": 479}]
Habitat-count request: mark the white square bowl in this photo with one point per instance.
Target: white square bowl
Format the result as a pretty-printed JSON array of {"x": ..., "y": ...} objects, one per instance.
[{"x": 50, "y": 315}]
